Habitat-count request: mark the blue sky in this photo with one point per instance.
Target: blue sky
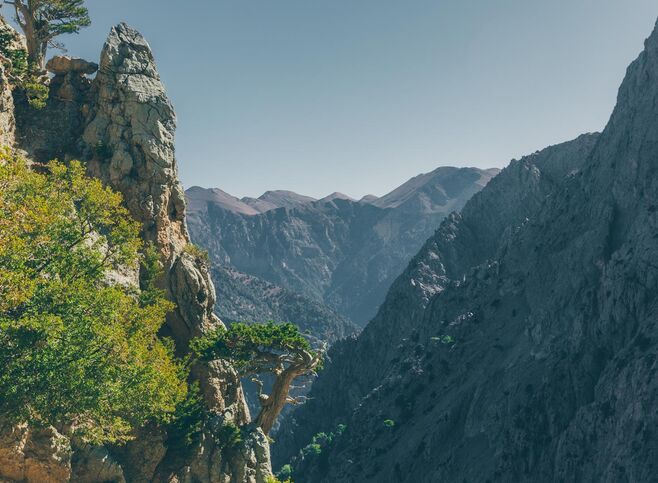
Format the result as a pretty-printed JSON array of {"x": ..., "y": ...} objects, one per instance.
[{"x": 358, "y": 96}]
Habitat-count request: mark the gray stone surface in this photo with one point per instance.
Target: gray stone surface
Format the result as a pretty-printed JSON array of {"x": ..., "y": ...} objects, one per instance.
[
  {"x": 123, "y": 125},
  {"x": 130, "y": 140}
]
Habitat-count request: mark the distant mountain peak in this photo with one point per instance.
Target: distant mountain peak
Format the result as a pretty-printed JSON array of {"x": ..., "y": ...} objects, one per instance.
[
  {"x": 284, "y": 199},
  {"x": 437, "y": 186},
  {"x": 198, "y": 199},
  {"x": 336, "y": 196},
  {"x": 369, "y": 199}
]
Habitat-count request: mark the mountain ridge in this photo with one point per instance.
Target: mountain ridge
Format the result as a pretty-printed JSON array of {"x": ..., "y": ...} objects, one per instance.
[{"x": 341, "y": 252}]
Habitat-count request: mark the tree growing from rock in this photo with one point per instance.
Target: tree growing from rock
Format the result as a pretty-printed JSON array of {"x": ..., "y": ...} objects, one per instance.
[
  {"x": 43, "y": 20},
  {"x": 277, "y": 349},
  {"x": 77, "y": 349}
]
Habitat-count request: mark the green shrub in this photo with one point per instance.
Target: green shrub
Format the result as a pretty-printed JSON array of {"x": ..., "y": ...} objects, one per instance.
[
  {"x": 229, "y": 437},
  {"x": 185, "y": 428},
  {"x": 274, "y": 479},
  {"x": 389, "y": 423},
  {"x": 198, "y": 253},
  {"x": 75, "y": 350},
  {"x": 313, "y": 449},
  {"x": 285, "y": 473},
  {"x": 36, "y": 92},
  {"x": 17, "y": 57}
]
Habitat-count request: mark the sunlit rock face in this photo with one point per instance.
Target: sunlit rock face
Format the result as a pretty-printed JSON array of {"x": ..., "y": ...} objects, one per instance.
[
  {"x": 122, "y": 124},
  {"x": 130, "y": 141}
]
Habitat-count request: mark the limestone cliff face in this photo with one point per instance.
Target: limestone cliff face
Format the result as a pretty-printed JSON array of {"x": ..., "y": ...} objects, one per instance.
[
  {"x": 7, "y": 119},
  {"x": 130, "y": 138},
  {"x": 535, "y": 357},
  {"x": 122, "y": 124}
]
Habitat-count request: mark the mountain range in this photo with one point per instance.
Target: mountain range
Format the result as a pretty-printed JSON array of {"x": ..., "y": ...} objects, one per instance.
[{"x": 336, "y": 251}]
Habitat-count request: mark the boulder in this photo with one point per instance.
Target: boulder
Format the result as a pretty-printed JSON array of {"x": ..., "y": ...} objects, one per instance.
[{"x": 62, "y": 65}]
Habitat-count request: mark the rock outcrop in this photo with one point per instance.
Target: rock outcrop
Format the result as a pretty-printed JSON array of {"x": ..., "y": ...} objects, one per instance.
[
  {"x": 535, "y": 356},
  {"x": 12, "y": 41},
  {"x": 130, "y": 140},
  {"x": 34, "y": 455},
  {"x": 122, "y": 124},
  {"x": 55, "y": 130},
  {"x": 64, "y": 65},
  {"x": 7, "y": 121}
]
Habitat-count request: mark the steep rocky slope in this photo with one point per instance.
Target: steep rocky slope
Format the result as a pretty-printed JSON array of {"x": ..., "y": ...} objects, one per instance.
[
  {"x": 463, "y": 240},
  {"x": 535, "y": 357},
  {"x": 338, "y": 251},
  {"x": 122, "y": 124},
  {"x": 245, "y": 298}
]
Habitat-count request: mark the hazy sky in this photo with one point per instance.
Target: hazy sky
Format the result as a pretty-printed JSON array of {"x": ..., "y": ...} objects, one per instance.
[{"x": 358, "y": 96}]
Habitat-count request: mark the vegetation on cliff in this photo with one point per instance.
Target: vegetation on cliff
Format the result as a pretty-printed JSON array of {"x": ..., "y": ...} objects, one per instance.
[
  {"x": 44, "y": 20},
  {"x": 78, "y": 339},
  {"x": 277, "y": 349}
]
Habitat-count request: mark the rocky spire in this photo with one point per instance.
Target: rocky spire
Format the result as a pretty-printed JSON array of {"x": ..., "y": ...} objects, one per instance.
[
  {"x": 130, "y": 139},
  {"x": 129, "y": 143}
]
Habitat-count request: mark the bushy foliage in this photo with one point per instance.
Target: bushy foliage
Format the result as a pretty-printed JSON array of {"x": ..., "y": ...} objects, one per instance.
[
  {"x": 17, "y": 57},
  {"x": 186, "y": 424},
  {"x": 198, "y": 253},
  {"x": 322, "y": 440},
  {"x": 36, "y": 92},
  {"x": 77, "y": 350},
  {"x": 285, "y": 473},
  {"x": 277, "y": 479},
  {"x": 244, "y": 344},
  {"x": 229, "y": 437},
  {"x": 389, "y": 423},
  {"x": 277, "y": 349}
]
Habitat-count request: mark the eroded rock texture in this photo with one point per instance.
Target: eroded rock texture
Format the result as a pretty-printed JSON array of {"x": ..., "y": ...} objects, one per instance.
[
  {"x": 122, "y": 123},
  {"x": 529, "y": 347},
  {"x": 130, "y": 138},
  {"x": 7, "y": 119}
]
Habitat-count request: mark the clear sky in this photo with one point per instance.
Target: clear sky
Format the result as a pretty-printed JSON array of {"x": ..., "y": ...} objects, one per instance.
[{"x": 357, "y": 96}]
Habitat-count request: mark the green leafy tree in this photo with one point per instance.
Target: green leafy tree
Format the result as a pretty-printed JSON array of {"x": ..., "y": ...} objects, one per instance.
[
  {"x": 278, "y": 349},
  {"x": 43, "y": 20},
  {"x": 78, "y": 342}
]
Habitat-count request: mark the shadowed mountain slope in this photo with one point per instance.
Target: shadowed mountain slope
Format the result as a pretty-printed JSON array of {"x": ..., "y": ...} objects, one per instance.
[{"x": 521, "y": 343}]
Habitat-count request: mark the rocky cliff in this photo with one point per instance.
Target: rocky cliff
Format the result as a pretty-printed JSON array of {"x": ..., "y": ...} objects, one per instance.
[
  {"x": 530, "y": 350},
  {"x": 122, "y": 124},
  {"x": 337, "y": 251}
]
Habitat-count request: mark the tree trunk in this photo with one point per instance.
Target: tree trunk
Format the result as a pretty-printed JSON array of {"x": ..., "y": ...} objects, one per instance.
[
  {"x": 36, "y": 49},
  {"x": 36, "y": 46},
  {"x": 272, "y": 406}
]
